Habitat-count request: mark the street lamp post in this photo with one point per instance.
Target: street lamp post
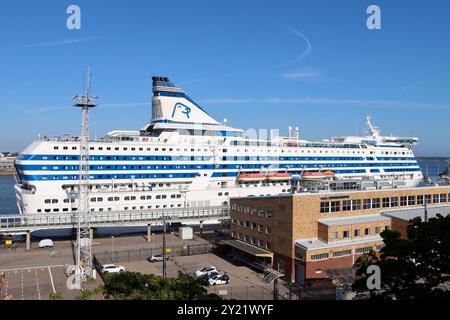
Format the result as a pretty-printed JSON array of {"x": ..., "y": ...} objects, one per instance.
[
  {"x": 112, "y": 247},
  {"x": 164, "y": 246}
]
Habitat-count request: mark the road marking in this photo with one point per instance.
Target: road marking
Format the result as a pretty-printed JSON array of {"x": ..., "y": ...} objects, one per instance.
[
  {"x": 37, "y": 284},
  {"x": 51, "y": 279},
  {"x": 22, "y": 285},
  {"x": 26, "y": 268},
  {"x": 6, "y": 283}
]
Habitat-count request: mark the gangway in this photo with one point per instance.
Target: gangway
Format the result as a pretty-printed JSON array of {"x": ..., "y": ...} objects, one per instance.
[{"x": 15, "y": 224}]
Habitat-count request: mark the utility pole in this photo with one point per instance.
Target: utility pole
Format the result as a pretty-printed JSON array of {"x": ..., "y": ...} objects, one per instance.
[{"x": 84, "y": 252}]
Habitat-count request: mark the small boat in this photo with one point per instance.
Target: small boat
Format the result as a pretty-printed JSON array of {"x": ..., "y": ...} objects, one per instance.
[
  {"x": 314, "y": 175},
  {"x": 246, "y": 177},
  {"x": 280, "y": 176}
]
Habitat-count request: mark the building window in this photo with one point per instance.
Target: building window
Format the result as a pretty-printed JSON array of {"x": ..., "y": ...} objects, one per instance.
[
  {"x": 420, "y": 199},
  {"x": 346, "y": 205},
  {"x": 269, "y": 230},
  {"x": 319, "y": 256},
  {"x": 334, "y": 235},
  {"x": 394, "y": 201},
  {"x": 377, "y": 230},
  {"x": 261, "y": 243},
  {"x": 411, "y": 200},
  {"x": 342, "y": 253},
  {"x": 375, "y": 203},
  {"x": 356, "y": 232},
  {"x": 386, "y": 203},
  {"x": 356, "y": 204},
  {"x": 367, "y": 204},
  {"x": 345, "y": 234},
  {"x": 363, "y": 250},
  {"x": 324, "y": 207},
  {"x": 269, "y": 246},
  {"x": 335, "y": 206},
  {"x": 443, "y": 197},
  {"x": 435, "y": 198},
  {"x": 269, "y": 215},
  {"x": 367, "y": 231},
  {"x": 428, "y": 198},
  {"x": 403, "y": 201}
]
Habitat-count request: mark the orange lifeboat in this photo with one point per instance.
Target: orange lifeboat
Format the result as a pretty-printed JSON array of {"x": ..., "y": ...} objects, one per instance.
[
  {"x": 279, "y": 176},
  {"x": 247, "y": 177},
  {"x": 310, "y": 175}
]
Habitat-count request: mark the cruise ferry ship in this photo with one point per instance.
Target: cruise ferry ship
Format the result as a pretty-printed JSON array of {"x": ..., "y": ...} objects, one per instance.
[{"x": 185, "y": 158}]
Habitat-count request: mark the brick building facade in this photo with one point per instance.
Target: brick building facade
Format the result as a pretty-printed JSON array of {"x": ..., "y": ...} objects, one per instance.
[{"x": 309, "y": 233}]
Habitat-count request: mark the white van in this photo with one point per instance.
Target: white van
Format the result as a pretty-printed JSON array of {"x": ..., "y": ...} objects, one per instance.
[{"x": 46, "y": 243}]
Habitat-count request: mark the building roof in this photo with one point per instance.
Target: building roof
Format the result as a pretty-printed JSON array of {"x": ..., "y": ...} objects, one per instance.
[
  {"x": 247, "y": 247},
  {"x": 353, "y": 220},
  {"x": 316, "y": 243},
  {"x": 408, "y": 214}
]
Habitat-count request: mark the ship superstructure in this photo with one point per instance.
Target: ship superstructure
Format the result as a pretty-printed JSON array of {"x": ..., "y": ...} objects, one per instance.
[{"x": 185, "y": 158}]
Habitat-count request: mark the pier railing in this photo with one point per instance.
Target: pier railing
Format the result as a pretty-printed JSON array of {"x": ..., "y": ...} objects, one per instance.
[{"x": 34, "y": 222}]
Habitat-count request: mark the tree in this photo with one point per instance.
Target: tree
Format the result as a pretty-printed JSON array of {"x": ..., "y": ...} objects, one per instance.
[
  {"x": 138, "y": 286},
  {"x": 414, "y": 268},
  {"x": 55, "y": 296},
  {"x": 85, "y": 295}
]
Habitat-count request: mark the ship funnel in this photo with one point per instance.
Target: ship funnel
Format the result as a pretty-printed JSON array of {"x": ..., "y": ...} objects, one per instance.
[{"x": 171, "y": 104}]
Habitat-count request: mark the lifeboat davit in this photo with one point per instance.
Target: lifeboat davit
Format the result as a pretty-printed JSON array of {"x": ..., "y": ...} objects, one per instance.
[
  {"x": 279, "y": 176},
  {"x": 246, "y": 177},
  {"x": 311, "y": 175}
]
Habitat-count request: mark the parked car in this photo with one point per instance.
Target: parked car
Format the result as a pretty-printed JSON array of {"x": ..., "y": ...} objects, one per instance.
[
  {"x": 219, "y": 279},
  {"x": 204, "y": 271},
  {"x": 157, "y": 257},
  {"x": 208, "y": 276},
  {"x": 46, "y": 243},
  {"x": 112, "y": 268}
]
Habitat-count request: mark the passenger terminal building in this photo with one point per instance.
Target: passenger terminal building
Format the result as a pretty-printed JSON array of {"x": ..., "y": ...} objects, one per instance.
[{"x": 306, "y": 234}]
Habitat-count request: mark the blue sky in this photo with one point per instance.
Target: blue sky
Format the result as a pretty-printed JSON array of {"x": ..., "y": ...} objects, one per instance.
[{"x": 260, "y": 64}]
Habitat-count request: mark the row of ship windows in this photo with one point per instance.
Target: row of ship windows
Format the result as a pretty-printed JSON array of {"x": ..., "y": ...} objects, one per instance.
[
  {"x": 253, "y": 240},
  {"x": 56, "y": 210},
  {"x": 204, "y": 158},
  {"x": 205, "y": 167},
  {"x": 125, "y": 149},
  {"x": 127, "y": 198},
  {"x": 387, "y": 202},
  {"x": 341, "y": 253},
  {"x": 252, "y": 225},
  {"x": 101, "y": 148}
]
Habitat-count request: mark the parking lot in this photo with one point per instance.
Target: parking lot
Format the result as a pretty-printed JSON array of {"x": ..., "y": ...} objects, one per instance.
[
  {"x": 244, "y": 282},
  {"x": 36, "y": 283}
]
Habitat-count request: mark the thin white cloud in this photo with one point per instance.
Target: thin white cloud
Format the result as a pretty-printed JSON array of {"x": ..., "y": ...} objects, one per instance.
[
  {"x": 303, "y": 74},
  {"x": 308, "y": 48},
  {"x": 50, "y": 44}
]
